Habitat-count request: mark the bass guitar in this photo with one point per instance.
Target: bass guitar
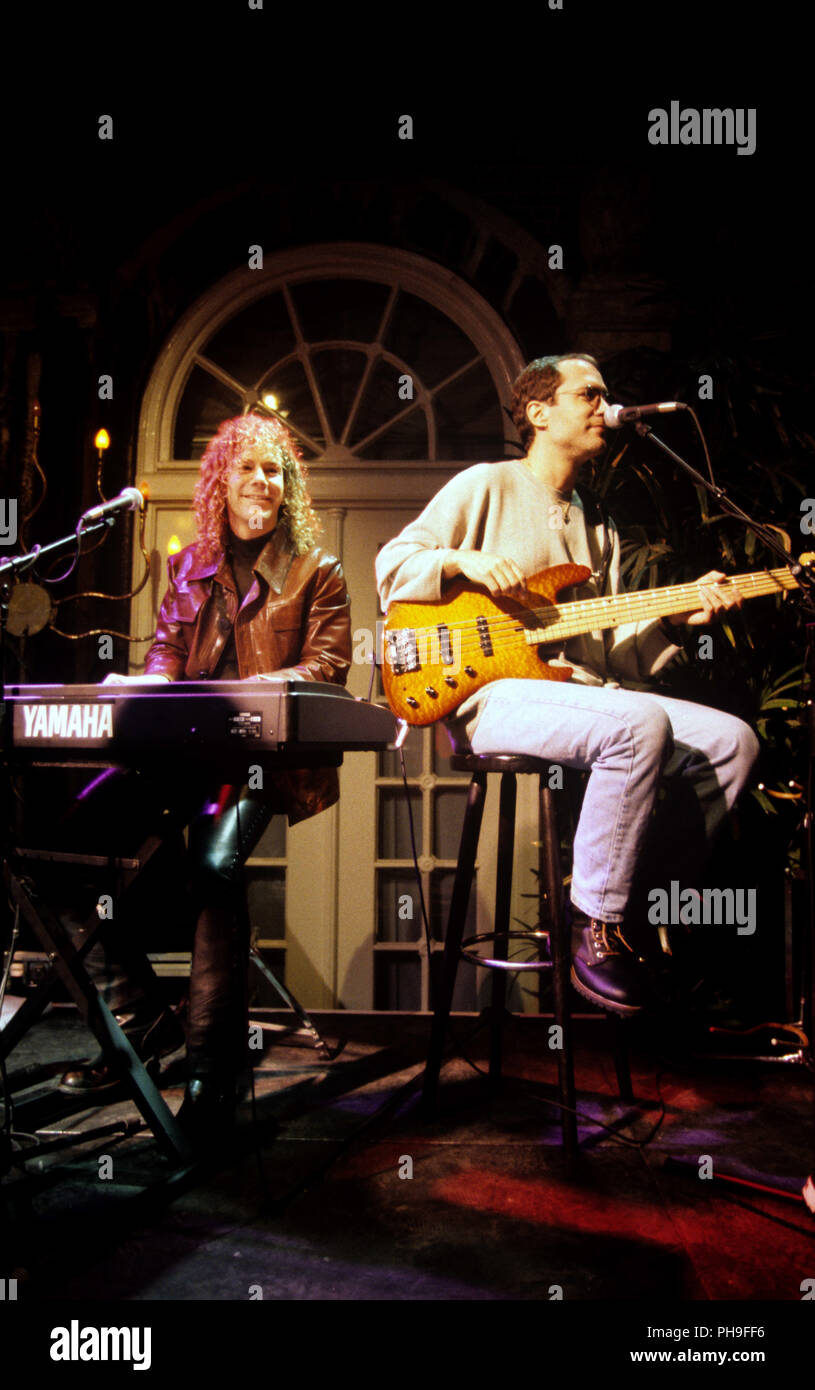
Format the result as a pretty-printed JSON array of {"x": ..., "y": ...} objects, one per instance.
[{"x": 437, "y": 654}]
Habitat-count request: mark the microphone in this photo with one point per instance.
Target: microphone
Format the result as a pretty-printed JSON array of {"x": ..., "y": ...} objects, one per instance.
[
  {"x": 127, "y": 501},
  {"x": 616, "y": 416}
]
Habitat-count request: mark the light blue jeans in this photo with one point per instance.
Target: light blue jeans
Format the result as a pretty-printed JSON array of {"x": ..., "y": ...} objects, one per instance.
[{"x": 628, "y": 741}]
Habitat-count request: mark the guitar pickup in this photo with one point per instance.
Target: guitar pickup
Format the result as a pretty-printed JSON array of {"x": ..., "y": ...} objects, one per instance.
[
  {"x": 445, "y": 645},
  {"x": 484, "y": 636},
  {"x": 402, "y": 650}
]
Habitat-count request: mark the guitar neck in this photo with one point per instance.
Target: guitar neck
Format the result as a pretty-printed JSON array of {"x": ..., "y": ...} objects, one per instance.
[{"x": 593, "y": 615}]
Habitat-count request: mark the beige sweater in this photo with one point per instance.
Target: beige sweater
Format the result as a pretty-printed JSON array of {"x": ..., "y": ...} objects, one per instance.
[{"x": 503, "y": 509}]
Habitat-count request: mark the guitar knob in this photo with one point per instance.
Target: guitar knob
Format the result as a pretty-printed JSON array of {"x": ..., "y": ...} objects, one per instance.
[
  {"x": 469, "y": 670},
  {"x": 414, "y": 704},
  {"x": 449, "y": 680},
  {"x": 434, "y": 694}
]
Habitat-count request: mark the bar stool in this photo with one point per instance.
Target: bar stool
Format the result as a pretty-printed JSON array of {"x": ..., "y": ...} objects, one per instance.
[{"x": 559, "y": 962}]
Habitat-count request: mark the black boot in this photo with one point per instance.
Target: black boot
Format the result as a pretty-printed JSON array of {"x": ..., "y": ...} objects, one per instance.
[
  {"x": 151, "y": 1039},
  {"x": 608, "y": 972},
  {"x": 207, "y": 1113}
]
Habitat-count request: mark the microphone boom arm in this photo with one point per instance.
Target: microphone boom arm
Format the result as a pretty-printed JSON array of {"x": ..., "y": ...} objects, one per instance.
[{"x": 802, "y": 573}]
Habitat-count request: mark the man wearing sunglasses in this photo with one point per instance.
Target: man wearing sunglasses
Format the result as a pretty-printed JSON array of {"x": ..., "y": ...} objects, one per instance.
[{"x": 496, "y": 524}]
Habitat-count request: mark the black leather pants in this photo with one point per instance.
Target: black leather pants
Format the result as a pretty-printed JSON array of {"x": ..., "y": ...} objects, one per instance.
[
  {"x": 114, "y": 815},
  {"x": 221, "y": 838}
]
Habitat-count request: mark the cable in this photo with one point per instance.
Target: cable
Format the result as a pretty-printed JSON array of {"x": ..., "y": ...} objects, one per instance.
[
  {"x": 371, "y": 681},
  {"x": 425, "y": 921},
  {"x": 115, "y": 598},
  {"x": 793, "y": 1028},
  {"x": 719, "y": 1178},
  {"x": 703, "y": 441},
  {"x": 33, "y": 435},
  {"x": 768, "y": 1216},
  {"x": 414, "y": 852},
  {"x": 621, "y": 1139},
  {"x": 760, "y": 530},
  {"x": 34, "y": 432},
  {"x": 98, "y": 631},
  {"x": 244, "y": 912},
  {"x": 49, "y": 579},
  {"x": 8, "y": 1102}
]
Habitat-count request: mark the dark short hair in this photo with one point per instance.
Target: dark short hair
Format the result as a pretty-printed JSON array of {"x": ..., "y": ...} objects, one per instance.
[{"x": 539, "y": 381}]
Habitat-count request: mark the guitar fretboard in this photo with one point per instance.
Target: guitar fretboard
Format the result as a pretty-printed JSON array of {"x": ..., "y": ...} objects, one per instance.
[{"x": 591, "y": 615}]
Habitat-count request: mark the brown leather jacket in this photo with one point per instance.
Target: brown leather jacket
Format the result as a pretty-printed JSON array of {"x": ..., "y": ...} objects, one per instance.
[{"x": 295, "y": 621}]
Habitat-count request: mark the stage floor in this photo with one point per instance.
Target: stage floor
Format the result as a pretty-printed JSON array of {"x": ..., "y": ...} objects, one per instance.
[{"x": 340, "y": 1190}]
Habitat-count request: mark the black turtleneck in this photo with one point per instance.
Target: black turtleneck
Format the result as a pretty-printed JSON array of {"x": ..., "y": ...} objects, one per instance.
[{"x": 242, "y": 557}]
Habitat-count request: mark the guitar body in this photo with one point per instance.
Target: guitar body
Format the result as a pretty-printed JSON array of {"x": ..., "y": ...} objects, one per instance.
[{"x": 438, "y": 654}]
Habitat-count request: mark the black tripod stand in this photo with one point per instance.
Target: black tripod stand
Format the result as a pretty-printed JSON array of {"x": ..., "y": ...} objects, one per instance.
[{"x": 66, "y": 960}]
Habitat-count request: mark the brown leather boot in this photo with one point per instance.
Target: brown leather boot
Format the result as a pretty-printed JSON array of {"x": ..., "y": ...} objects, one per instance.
[{"x": 151, "y": 1039}]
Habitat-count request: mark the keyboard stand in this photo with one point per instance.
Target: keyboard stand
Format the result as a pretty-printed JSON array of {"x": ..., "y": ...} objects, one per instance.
[
  {"x": 66, "y": 961},
  {"x": 304, "y": 1018}
]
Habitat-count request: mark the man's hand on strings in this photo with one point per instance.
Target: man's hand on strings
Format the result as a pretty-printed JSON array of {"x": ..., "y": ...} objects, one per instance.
[
  {"x": 497, "y": 574},
  {"x": 716, "y": 600}
]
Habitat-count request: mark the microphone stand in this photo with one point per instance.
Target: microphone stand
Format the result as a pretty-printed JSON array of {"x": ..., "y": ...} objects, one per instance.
[
  {"x": 806, "y": 581},
  {"x": 16, "y": 565},
  {"x": 804, "y": 576},
  {"x": 10, "y": 569}
]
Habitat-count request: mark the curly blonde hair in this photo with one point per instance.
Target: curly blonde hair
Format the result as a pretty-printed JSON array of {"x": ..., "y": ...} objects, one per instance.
[{"x": 233, "y": 439}]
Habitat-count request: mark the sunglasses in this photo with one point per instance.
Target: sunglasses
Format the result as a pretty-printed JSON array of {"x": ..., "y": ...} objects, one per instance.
[{"x": 592, "y": 394}]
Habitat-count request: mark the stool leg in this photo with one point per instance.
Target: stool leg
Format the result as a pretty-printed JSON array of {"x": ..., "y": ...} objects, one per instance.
[
  {"x": 621, "y": 1059},
  {"x": 561, "y": 964},
  {"x": 443, "y": 997},
  {"x": 503, "y": 893}
]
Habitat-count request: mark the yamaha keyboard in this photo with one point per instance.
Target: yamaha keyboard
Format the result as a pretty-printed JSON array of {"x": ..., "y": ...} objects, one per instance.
[{"x": 281, "y": 722}]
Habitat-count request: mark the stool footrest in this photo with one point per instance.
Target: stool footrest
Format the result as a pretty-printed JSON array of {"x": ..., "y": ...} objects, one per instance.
[
  {"x": 519, "y": 763},
  {"x": 530, "y": 938}
]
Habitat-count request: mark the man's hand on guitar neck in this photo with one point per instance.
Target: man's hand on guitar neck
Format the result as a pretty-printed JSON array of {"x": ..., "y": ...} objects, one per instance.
[
  {"x": 501, "y": 575},
  {"x": 496, "y": 574},
  {"x": 715, "y": 601}
]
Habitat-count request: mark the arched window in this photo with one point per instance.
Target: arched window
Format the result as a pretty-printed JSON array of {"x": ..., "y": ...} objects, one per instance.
[
  {"x": 371, "y": 354},
  {"x": 393, "y": 373}
]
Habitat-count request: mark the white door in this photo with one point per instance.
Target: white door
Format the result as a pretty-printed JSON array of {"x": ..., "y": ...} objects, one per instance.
[{"x": 393, "y": 374}]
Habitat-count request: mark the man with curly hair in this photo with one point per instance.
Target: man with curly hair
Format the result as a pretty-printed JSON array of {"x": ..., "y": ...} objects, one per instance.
[{"x": 252, "y": 597}]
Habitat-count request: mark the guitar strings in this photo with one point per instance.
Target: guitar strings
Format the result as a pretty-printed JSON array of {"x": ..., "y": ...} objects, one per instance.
[
  {"x": 638, "y": 599},
  {"x": 505, "y": 629}
]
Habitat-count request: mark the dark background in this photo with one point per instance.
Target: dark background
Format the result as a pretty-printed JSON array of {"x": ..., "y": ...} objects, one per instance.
[{"x": 234, "y": 127}]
